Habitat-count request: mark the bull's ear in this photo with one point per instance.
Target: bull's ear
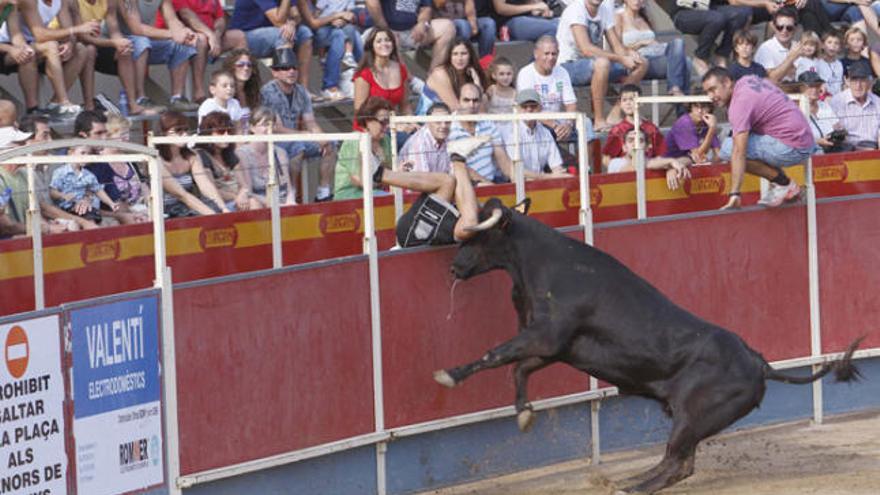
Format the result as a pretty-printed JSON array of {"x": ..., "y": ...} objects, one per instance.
[{"x": 523, "y": 206}]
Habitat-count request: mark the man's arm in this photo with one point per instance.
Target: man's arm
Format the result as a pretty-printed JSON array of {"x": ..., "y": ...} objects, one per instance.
[
  {"x": 176, "y": 30},
  {"x": 41, "y": 33},
  {"x": 737, "y": 169},
  {"x": 779, "y": 72},
  {"x": 507, "y": 10},
  {"x": 279, "y": 15},
  {"x": 314, "y": 21},
  {"x": 470, "y": 13},
  {"x": 374, "y": 7},
  {"x": 132, "y": 17}
]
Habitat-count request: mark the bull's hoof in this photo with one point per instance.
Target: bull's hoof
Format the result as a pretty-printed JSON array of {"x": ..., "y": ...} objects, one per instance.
[
  {"x": 443, "y": 378},
  {"x": 525, "y": 419}
]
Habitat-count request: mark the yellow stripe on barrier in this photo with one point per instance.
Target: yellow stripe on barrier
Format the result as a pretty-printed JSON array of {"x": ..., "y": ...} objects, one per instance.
[
  {"x": 135, "y": 247},
  {"x": 62, "y": 258},
  {"x": 862, "y": 170},
  {"x": 184, "y": 241},
  {"x": 296, "y": 228},
  {"x": 256, "y": 233},
  {"x": 16, "y": 264}
]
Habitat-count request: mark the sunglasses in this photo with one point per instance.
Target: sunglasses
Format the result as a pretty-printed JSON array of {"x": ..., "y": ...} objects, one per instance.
[
  {"x": 283, "y": 69},
  {"x": 244, "y": 63},
  {"x": 785, "y": 27},
  {"x": 223, "y": 132},
  {"x": 382, "y": 122}
]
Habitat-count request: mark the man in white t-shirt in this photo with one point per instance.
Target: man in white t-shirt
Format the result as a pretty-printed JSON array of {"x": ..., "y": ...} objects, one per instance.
[
  {"x": 778, "y": 54},
  {"x": 582, "y": 27},
  {"x": 552, "y": 83}
]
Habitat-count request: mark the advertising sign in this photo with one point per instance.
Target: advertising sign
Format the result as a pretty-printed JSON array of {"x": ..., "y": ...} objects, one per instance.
[
  {"x": 117, "y": 423},
  {"x": 32, "y": 454}
]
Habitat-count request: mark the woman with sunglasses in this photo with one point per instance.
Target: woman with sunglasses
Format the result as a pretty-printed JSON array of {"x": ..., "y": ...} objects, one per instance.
[
  {"x": 373, "y": 119},
  {"x": 121, "y": 180},
  {"x": 240, "y": 63},
  {"x": 221, "y": 160},
  {"x": 188, "y": 187}
]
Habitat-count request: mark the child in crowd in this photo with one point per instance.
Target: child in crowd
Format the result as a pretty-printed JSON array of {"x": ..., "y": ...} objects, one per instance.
[
  {"x": 77, "y": 191},
  {"x": 501, "y": 93},
  {"x": 744, "y": 43},
  {"x": 676, "y": 170},
  {"x": 655, "y": 146},
  {"x": 829, "y": 67},
  {"x": 222, "y": 98},
  {"x": 693, "y": 135},
  {"x": 856, "y": 40},
  {"x": 810, "y": 51}
]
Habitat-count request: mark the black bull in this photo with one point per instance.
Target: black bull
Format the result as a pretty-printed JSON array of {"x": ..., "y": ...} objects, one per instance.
[{"x": 580, "y": 306}]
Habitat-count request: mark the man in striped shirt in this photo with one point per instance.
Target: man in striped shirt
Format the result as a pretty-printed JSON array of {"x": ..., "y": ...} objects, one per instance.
[
  {"x": 489, "y": 164},
  {"x": 425, "y": 151},
  {"x": 858, "y": 108}
]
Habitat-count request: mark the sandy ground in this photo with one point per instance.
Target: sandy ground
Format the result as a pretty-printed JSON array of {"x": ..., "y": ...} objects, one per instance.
[{"x": 841, "y": 456}]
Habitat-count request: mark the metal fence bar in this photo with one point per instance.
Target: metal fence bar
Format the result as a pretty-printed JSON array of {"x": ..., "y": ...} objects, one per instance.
[
  {"x": 35, "y": 224},
  {"x": 371, "y": 249},
  {"x": 275, "y": 206}
]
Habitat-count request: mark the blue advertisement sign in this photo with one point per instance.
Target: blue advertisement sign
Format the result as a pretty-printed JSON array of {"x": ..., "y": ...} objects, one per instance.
[{"x": 115, "y": 356}]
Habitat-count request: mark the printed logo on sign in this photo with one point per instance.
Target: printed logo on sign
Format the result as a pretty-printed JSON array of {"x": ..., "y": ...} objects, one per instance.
[
  {"x": 834, "y": 173},
  {"x": 100, "y": 251},
  {"x": 17, "y": 352},
  {"x": 332, "y": 224},
  {"x": 704, "y": 185},
  {"x": 134, "y": 455},
  {"x": 215, "y": 238}
]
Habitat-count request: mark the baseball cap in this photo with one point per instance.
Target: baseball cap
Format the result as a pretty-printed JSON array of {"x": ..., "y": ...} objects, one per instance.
[
  {"x": 810, "y": 77},
  {"x": 859, "y": 70},
  {"x": 9, "y": 136},
  {"x": 526, "y": 96}
]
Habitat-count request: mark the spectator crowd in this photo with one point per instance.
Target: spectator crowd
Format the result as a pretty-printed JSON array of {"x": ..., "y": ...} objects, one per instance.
[{"x": 815, "y": 47}]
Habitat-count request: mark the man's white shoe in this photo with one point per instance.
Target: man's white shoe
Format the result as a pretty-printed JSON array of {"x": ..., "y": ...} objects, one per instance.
[
  {"x": 777, "y": 194},
  {"x": 464, "y": 147}
]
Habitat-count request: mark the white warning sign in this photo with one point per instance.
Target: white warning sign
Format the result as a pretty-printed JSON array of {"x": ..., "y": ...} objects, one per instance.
[{"x": 32, "y": 455}]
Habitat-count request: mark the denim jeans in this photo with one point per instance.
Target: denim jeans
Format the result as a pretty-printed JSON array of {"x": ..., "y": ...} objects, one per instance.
[
  {"x": 708, "y": 24},
  {"x": 530, "y": 28},
  {"x": 581, "y": 71},
  {"x": 846, "y": 12},
  {"x": 263, "y": 41},
  {"x": 672, "y": 66},
  {"x": 486, "y": 36},
  {"x": 768, "y": 150},
  {"x": 164, "y": 52},
  {"x": 333, "y": 39}
]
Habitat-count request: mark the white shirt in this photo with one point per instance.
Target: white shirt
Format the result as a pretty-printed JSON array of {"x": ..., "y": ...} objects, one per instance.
[
  {"x": 576, "y": 14},
  {"x": 832, "y": 74},
  {"x": 771, "y": 54},
  {"x": 555, "y": 90},
  {"x": 233, "y": 109},
  {"x": 616, "y": 165},
  {"x": 537, "y": 147},
  {"x": 804, "y": 64},
  {"x": 822, "y": 124}
]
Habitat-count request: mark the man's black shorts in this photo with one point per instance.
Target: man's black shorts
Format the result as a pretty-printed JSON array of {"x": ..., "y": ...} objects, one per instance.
[{"x": 430, "y": 221}]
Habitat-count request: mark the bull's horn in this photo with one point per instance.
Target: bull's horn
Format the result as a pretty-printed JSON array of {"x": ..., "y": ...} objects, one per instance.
[{"x": 487, "y": 223}]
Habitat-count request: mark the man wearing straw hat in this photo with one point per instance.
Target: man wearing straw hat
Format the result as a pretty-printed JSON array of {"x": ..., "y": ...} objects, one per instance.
[{"x": 769, "y": 132}]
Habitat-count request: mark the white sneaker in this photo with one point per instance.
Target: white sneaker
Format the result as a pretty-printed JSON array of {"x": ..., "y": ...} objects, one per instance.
[
  {"x": 346, "y": 85},
  {"x": 776, "y": 194},
  {"x": 349, "y": 61},
  {"x": 464, "y": 147},
  {"x": 332, "y": 95}
]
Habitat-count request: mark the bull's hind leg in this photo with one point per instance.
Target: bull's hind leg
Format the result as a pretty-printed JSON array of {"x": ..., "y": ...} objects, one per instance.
[
  {"x": 527, "y": 344},
  {"x": 704, "y": 412}
]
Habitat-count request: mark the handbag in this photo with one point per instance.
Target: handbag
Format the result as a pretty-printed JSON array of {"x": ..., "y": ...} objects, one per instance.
[{"x": 693, "y": 4}]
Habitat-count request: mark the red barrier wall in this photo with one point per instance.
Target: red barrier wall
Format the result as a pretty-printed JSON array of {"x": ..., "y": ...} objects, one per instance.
[
  {"x": 273, "y": 364},
  {"x": 87, "y": 264},
  {"x": 418, "y": 338},
  {"x": 849, "y": 250}
]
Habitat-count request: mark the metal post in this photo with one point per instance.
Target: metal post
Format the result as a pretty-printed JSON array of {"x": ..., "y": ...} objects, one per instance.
[
  {"x": 518, "y": 175},
  {"x": 34, "y": 224},
  {"x": 586, "y": 209},
  {"x": 371, "y": 250},
  {"x": 395, "y": 166},
  {"x": 169, "y": 366},
  {"x": 813, "y": 271},
  {"x": 275, "y": 206},
  {"x": 641, "y": 206},
  {"x": 586, "y": 220}
]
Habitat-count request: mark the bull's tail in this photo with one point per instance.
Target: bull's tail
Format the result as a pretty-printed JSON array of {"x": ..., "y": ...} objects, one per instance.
[{"x": 844, "y": 369}]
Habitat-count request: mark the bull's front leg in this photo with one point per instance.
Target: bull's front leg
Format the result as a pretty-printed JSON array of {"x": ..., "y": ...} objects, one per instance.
[
  {"x": 529, "y": 343},
  {"x": 525, "y": 416}
]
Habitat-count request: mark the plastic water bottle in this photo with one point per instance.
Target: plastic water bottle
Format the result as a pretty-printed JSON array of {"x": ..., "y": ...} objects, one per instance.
[{"x": 123, "y": 102}]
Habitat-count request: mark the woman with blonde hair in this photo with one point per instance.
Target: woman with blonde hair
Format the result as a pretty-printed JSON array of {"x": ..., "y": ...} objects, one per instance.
[{"x": 256, "y": 156}]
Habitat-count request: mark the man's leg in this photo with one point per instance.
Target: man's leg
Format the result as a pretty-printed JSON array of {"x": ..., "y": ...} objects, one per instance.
[
  {"x": 442, "y": 185},
  {"x": 54, "y": 70},
  {"x": 199, "y": 64},
  {"x": 599, "y": 90},
  {"x": 444, "y": 33},
  {"x": 29, "y": 79},
  {"x": 303, "y": 44},
  {"x": 466, "y": 201},
  {"x": 177, "y": 58},
  {"x": 234, "y": 39}
]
